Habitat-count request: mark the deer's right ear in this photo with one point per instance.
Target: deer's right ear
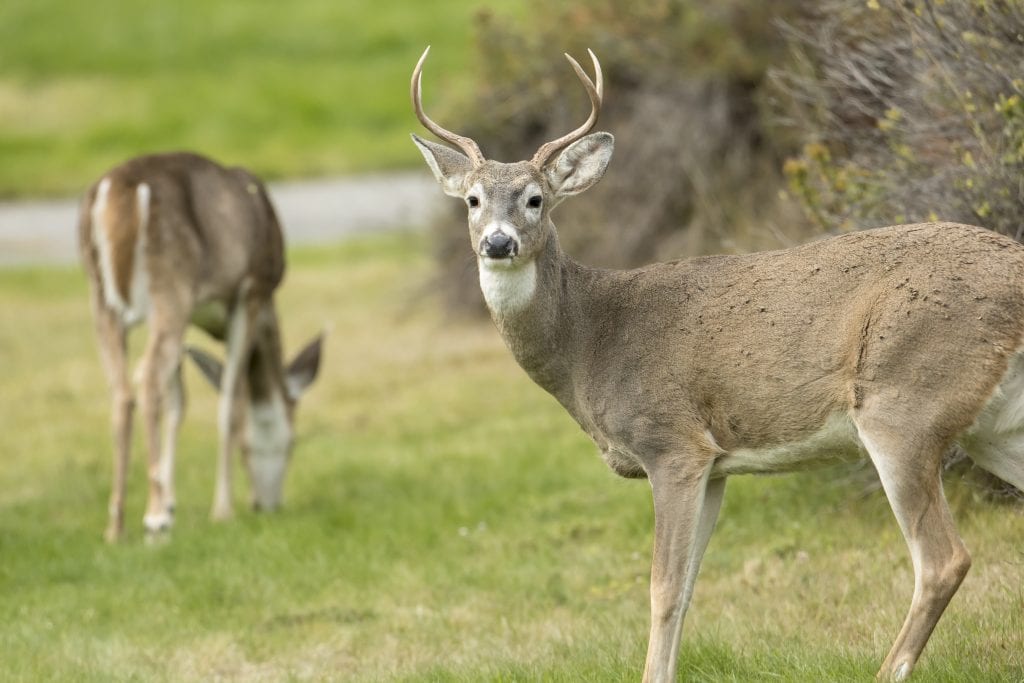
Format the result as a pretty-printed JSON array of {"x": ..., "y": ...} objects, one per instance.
[
  {"x": 449, "y": 167},
  {"x": 207, "y": 364}
]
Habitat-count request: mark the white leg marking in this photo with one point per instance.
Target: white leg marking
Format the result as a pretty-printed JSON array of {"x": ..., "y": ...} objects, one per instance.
[
  {"x": 884, "y": 467},
  {"x": 172, "y": 421}
]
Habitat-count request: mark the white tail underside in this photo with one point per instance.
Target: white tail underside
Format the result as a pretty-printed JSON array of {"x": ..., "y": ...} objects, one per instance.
[{"x": 135, "y": 309}]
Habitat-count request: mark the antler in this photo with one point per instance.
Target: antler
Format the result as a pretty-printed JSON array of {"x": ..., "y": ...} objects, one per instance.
[
  {"x": 467, "y": 145},
  {"x": 596, "y": 94}
]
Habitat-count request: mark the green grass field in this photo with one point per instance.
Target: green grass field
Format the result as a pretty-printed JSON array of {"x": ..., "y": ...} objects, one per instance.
[
  {"x": 296, "y": 88},
  {"x": 444, "y": 520}
]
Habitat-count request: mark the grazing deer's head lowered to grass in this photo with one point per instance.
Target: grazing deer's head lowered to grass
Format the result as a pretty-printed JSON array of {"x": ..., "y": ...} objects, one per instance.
[
  {"x": 174, "y": 239},
  {"x": 895, "y": 342}
]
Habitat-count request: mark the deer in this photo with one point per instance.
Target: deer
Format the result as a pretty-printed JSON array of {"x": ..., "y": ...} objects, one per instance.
[
  {"x": 173, "y": 240},
  {"x": 896, "y": 342}
]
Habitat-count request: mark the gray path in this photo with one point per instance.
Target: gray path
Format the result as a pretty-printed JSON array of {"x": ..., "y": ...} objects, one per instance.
[{"x": 312, "y": 211}]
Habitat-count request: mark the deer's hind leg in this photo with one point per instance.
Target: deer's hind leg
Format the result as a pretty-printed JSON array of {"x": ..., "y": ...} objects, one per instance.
[
  {"x": 909, "y": 466},
  {"x": 112, "y": 337},
  {"x": 174, "y": 411},
  {"x": 161, "y": 394},
  {"x": 158, "y": 378}
]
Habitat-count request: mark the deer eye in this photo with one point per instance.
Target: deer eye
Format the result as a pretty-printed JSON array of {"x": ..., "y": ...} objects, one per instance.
[
  {"x": 473, "y": 201},
  {"x": 534, "y": 201}
]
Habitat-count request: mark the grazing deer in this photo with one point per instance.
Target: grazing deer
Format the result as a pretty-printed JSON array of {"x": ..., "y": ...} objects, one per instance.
[
  {"x": 898, "y": 342},
  {"x": 173, "y": 239}
]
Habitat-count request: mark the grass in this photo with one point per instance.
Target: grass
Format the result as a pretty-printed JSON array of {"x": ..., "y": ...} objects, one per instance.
[
  {"x": 444, "y": 521},
  {"x": 298, "y": 88}
]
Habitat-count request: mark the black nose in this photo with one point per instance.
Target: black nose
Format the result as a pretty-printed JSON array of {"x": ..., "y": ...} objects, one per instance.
[{"x": 499, "y": 245}]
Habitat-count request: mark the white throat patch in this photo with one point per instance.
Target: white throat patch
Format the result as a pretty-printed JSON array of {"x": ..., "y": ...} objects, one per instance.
[{"x": 507, "y": 286}]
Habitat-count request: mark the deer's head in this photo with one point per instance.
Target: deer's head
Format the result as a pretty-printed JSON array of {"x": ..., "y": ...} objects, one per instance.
[
  {"x": 265, "y": 410},
  {"x": 509, "y": 204}
]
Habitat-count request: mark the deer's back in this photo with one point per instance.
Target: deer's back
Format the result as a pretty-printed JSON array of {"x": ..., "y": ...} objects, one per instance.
[
  {"x": 208, "y": 226},
  {"x": 764, "y": 348}
]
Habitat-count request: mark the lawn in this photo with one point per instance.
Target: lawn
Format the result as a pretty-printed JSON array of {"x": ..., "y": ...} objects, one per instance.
[
  {"x": 286, "y": 88},
  {"x": 444, "y": 520}
]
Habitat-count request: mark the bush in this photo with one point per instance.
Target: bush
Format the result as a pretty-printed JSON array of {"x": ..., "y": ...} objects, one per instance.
[
  {"x": 683, "y": 83},
  {"x": 909, "y": 111}
]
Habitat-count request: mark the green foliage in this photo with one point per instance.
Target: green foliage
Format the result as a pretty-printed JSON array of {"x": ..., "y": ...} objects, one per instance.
[
  {"x": 288, "y": 89},
  {"x": 444, "y": 520}
]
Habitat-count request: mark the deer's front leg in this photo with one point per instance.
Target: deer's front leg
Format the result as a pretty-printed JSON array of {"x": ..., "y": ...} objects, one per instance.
[
  {"x": 113, "y": 350},
  {"x": 238, "y": 348},
  {"x": 158, "y": 376},
  {"x": 686, "y": 504},
  {"x": 174, "y": 411}
]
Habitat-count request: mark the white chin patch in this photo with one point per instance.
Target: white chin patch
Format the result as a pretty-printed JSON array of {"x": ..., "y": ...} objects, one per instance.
[{"x": 508, "y": 284}]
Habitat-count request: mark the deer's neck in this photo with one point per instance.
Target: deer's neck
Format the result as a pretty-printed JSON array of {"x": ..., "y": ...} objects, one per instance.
[
  {"x": 265, "y": 372},
  {"x": 533, "y": 307}
]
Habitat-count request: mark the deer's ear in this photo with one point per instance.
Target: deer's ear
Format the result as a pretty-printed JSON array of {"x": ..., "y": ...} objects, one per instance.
[
  {"x": 580, "y": 165},
  {"x": 449, "y": 167},
  {"x": 303, "y": 369},
  {"x": 210, "y": 367}
]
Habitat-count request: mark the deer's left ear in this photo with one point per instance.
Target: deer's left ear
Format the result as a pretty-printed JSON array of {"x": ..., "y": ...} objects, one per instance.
[
  {"x": 210, "y": 367},
  {"x": 580, "y": 165},
  {"x": 303, "y": 369}
]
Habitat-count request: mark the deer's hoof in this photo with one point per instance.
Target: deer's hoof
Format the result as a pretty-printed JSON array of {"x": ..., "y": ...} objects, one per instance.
[
  {"x": 898, "y": 673},
  {"x": 158, "y": 523}
]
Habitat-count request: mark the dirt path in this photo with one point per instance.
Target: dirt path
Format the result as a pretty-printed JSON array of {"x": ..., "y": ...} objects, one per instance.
[{"x": 312, "y": 212}]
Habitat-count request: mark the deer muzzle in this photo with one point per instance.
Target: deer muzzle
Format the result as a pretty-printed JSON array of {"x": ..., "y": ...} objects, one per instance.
[{"x": 499, "y": 245}]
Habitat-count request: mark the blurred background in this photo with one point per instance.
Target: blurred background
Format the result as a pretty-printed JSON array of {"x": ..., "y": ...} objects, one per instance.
[{"x": 444, "y": 519}]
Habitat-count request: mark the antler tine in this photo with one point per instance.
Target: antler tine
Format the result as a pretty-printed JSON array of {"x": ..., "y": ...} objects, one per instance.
[
  {"x": 596, "y": 94},
  {"x": 467, "y": 145},
  {"x": 598, "y": 75}
]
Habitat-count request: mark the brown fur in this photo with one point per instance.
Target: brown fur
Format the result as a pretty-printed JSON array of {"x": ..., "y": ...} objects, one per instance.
[
  {"x": 775, "y": 342},
  {"x": 901, "y": 334},
  {"x": 201, "y": 212},
  {"x": 670, "y": 367},
  {"x": 212, "y": 238},
  {"x": 910, "y": 325}
]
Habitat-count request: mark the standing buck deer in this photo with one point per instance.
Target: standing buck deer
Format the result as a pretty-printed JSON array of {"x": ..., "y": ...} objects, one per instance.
[
  {"x": 898, "y": 341},
  {"x": 173, "y": 239}
]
